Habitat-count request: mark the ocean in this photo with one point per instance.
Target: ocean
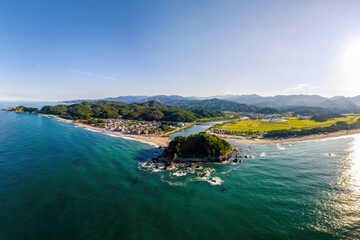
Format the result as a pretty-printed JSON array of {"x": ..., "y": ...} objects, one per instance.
[{"x": 61, "y": 181}]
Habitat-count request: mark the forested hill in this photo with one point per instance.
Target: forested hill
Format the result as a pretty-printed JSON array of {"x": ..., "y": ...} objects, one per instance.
[
  {"x": 201, "y": 145},
  {"x": 106, "y": 109},
  {"x": 221, "y": 105}
]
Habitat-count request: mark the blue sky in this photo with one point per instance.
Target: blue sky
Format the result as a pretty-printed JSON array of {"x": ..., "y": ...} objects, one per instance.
[{"x": 59, "y": 50}]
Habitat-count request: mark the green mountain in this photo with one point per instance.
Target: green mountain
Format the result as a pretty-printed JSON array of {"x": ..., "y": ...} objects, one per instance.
[
  {"x": 152, "y": 104},
  {"x": 220, "y": 105},
  {"x": 200, "y": 145},
  {"x": 147, "y": 111}
]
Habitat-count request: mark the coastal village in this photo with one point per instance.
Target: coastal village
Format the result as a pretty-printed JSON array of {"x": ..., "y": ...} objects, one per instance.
[{"x": 134, "y": 127}]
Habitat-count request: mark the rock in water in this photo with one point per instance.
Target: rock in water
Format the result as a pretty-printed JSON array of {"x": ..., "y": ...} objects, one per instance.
[
  {"x": 179, "y": 173},
  {"x": 170, "y": 166},
  {"x": 204, "y": 175},
  {"x": 149, "y": 164},
  {"x": 215, "y": 181}
]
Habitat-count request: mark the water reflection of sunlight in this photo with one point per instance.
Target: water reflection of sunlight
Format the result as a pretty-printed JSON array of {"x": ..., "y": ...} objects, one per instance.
[
  {"x": 339, "y": 208},
  {"x": 344, "y": 206},
  {"x": 352, "y": 175}
]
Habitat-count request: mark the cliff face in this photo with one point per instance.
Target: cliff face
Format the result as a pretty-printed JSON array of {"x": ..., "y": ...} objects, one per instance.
[{"x": 10, "y": 109}]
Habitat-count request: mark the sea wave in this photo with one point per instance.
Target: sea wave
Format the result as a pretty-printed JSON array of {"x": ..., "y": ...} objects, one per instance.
[
  {"x": 123, "y": 137},
  {"x": 172, "y": 183},
  {"x": 215, "y": 181},
  {"x": 92, "y": 130},
  {"x": 226, "y": 172},
  {"x": 280, "y": 147}
]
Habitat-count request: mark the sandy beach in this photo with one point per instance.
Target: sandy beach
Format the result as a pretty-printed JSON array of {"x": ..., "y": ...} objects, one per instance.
[
  {"x": 158, "y": 141},
  {"x": 245, "y": 141},
  {"x": 164, "y": 141}
]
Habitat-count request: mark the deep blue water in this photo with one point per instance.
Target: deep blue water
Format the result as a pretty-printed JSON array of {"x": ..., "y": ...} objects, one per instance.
[{"x": 59, "y": 181}]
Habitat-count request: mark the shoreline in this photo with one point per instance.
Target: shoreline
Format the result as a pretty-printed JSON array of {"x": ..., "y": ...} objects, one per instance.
[
  {"x": 164, "y": 141},
  {"x": 157, "y": 141},
  {"x": 245, "y": 141}
]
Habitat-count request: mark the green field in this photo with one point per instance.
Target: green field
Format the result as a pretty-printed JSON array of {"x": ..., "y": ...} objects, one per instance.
[{"x": 254, "y": 126}]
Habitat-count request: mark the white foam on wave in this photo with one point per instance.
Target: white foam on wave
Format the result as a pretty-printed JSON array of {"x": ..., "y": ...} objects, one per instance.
[
  {"x": 280, "y": 147},
  {"x": 215, "y": 181},
  {"x": 143, "y": 164},
  {"x": 263, "y": 154},
  {"x": 229, "y": 170},
  {"x": 179, "y": 173},
  {"x": 92, "y": 130},
  {"x": 172, "y": 183}
]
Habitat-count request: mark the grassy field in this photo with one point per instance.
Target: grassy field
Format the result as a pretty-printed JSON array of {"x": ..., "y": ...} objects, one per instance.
[{"x": 253, "y": 126}]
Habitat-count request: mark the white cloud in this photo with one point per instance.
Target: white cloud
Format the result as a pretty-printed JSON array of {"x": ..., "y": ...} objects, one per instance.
[
  {"x": 299, "y": 88},
  {"x": 92, "y": 74},
  {"x": 296, "y": 88}
]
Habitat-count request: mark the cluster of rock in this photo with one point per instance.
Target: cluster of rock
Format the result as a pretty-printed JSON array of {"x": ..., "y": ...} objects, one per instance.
[
  {"x": 170, "y": 165},
  {"x": 183, "y": 167}
]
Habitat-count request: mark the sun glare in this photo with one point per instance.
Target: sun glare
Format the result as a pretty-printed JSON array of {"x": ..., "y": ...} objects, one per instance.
[{"x": 350, "y": 67}]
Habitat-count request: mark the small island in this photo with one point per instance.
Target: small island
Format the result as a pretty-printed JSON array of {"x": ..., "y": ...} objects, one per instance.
[
  {"x": 190, "y": 153},
  {"x": 201, "y": 147},
  {"x": 193, "y": 149}
]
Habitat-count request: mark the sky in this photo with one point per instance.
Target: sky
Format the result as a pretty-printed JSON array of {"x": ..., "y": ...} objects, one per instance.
[{"x": 63, "y": 50}]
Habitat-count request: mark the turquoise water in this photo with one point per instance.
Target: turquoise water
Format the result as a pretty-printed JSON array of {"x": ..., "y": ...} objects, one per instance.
[
  {"x": 59, "y": 181},
  {"x": 201, "y": 127}
]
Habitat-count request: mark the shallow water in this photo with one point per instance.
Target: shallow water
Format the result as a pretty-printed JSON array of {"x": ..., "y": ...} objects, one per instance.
[
  {"x": 201, "y": 127},
  {"x": 58, "y": 181}
]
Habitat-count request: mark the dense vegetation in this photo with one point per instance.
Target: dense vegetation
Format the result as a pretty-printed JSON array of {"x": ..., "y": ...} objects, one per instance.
[
  {"x": 152, "y": 104},
  {"x": 304, "y": 132},
  {"x": 146, "y": 111},
  {"x": 200, "y": 145},
  {"x": 306, "y": 110},
  {"x": 26, "y": 109},
  {"x": 323, "y": 117},
  {"x": 268, "y": 110},
  {"x": 221, "y": 105}
]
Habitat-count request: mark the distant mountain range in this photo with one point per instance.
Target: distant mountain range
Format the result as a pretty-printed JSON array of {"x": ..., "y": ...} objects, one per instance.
[
  {"x": 281, "y": 101},
  {"x": 246, "y": 103}
]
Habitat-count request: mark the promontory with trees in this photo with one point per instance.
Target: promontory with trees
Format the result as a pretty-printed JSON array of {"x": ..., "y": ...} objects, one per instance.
[{"x": 149, "y": 111}]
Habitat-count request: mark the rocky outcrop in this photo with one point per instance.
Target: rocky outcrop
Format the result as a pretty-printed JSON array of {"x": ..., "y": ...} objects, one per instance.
[
  {"x": 150, "y": 163},
  {"x": 170, "y": 166}
]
